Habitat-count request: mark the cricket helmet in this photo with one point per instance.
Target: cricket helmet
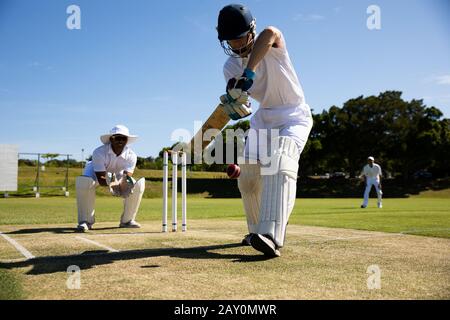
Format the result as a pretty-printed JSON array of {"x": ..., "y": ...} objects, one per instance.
[{"x": 235, "y": 21}]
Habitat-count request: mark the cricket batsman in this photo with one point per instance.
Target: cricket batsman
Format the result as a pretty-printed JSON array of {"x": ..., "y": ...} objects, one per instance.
[
  {"x": 259, "y": 66},
  {"x": 112, "y": 166},
  {"x": 371, "y": 173}
]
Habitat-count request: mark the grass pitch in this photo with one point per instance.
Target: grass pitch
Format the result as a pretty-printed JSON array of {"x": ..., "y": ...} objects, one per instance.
[
  {"x": 331, "y": 244},
  {"x": 10, "y": 288},
  {"x": 419, "y": 216}
]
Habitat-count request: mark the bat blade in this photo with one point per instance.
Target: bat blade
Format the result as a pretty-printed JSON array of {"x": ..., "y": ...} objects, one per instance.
[{"x": 217, "y": 120}]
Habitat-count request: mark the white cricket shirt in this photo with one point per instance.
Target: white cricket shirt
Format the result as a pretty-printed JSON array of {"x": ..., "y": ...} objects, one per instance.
[
  {"x": 276, "y": 84},
  {"x": 372, "y": 172},
  {"x": 104, "y": 159}
]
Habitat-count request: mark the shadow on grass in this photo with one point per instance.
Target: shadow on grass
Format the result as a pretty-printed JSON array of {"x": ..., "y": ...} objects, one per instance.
[
  {"x": 41, "y": 230},
  {"x": 60, "y": 230},
  {"x": 90, "y": 259},
  {"x": 67, "y": 230},
  {"x": 33, "y": 195}
]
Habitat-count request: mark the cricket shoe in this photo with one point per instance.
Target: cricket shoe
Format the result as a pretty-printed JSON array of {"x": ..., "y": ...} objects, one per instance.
[
  {"x": 247, "y": 240},
  {"x": 363, "y": 206},
  {"x": 265, "y": 245},
  {"x": 130, "y": 224},
  {"x": 83, "y": 227},
  {"x": 380, "y": 205}
]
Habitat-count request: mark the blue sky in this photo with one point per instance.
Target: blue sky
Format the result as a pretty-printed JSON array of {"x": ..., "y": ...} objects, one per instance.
[{"x": 156, "y": 66}]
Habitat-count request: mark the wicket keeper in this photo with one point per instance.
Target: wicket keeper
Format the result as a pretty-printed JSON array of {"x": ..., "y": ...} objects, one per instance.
[{"x": 112, "y": 166}]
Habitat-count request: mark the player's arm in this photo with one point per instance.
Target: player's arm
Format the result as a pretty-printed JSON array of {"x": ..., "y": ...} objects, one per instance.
[
  {"x": 99, "y": 163},
  {"x": 379, "y": 177},
  {"x": 101, "y": 178},
  {"x": 362, "y": 176},
  {"x": 270, "y": 37}
]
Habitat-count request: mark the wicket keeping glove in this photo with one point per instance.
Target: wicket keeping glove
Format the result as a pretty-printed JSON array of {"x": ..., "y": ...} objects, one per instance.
[{"x": 120, "y": 188}]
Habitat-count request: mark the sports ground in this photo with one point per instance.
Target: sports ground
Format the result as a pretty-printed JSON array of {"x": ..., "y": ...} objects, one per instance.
[{"x": 331, "y": 250}]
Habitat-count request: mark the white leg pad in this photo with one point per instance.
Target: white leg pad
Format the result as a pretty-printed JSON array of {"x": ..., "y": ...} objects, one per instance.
[
  {"x": 250, "y": 186},
  {"x": 279, "y": 191},
  {"x": 132, "y": 202},
  {"x": 85, "y": 187}
]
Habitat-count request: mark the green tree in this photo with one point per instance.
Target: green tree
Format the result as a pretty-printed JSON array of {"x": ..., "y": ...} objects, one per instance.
[{"x": 404, "y": 136}]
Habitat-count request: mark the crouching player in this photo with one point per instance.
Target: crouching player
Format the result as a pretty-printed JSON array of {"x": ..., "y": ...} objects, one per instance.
[{"x": 112, "y": 166}]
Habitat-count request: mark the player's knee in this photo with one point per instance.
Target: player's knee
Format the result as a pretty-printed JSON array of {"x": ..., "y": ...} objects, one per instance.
[
  {"x": 83, "y": 183},
  {"x": 140, "y": 185},
  {"x": 289, "y": 167},
  {"x": 285, "y": 160}
]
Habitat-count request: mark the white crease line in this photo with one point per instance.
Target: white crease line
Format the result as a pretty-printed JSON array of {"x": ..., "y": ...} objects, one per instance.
[
  {"x": 123, "y": 234},
  {"x": 27, "y": 254},
  {"x": 299, "y": 233},
  {"x": 13, "y": 260},
  {"x": 357, "y": 238},
  {"x": 97, "y": 244}
]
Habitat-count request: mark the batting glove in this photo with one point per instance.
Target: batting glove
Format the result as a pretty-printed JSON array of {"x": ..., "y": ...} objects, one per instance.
[
  {"x": 237, "y": 88},
  {"x": 235, "y": 109}
]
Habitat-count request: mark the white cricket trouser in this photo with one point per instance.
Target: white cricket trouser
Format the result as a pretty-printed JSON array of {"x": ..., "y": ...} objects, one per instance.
[
  {"x": 293, "y": 122},
  {"x": 372, "y": 182},
  {"x": 269, "y": 199},
  {"x": 85, "y": 187}
]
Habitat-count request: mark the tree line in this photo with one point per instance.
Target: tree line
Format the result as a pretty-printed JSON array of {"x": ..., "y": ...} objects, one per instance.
[{"x": 403, "y": 136}]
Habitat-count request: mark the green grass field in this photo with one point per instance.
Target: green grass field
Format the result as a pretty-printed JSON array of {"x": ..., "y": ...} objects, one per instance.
[
  {"x": 420, "y": 216},
  {"x": 52, "y": 177},
  {"x": 330, "y": 244},
  {"x": 10, "y": 288}
]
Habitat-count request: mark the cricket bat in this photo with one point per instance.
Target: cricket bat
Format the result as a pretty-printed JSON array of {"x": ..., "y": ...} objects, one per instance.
[{"x": 217, "y": 120}]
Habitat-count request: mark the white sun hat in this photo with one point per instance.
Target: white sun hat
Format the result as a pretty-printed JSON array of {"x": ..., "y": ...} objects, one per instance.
[
  {"x": 118, "y": 129},
  {"x": 371, "y": 158}
]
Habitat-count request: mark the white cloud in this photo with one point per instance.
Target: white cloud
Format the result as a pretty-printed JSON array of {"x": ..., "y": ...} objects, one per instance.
[
  {"x": 35, "y": 64},
  {"x": 444, "y": 99},
  {"x": 443, "y": 80},
  {"x": 161, "y": 98},
  {"x": 439, "y": 80},
  {"x": 439, "y": 99},
  {"x": 311, "y": 17},
  {"x": 39, "y": 66}
]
